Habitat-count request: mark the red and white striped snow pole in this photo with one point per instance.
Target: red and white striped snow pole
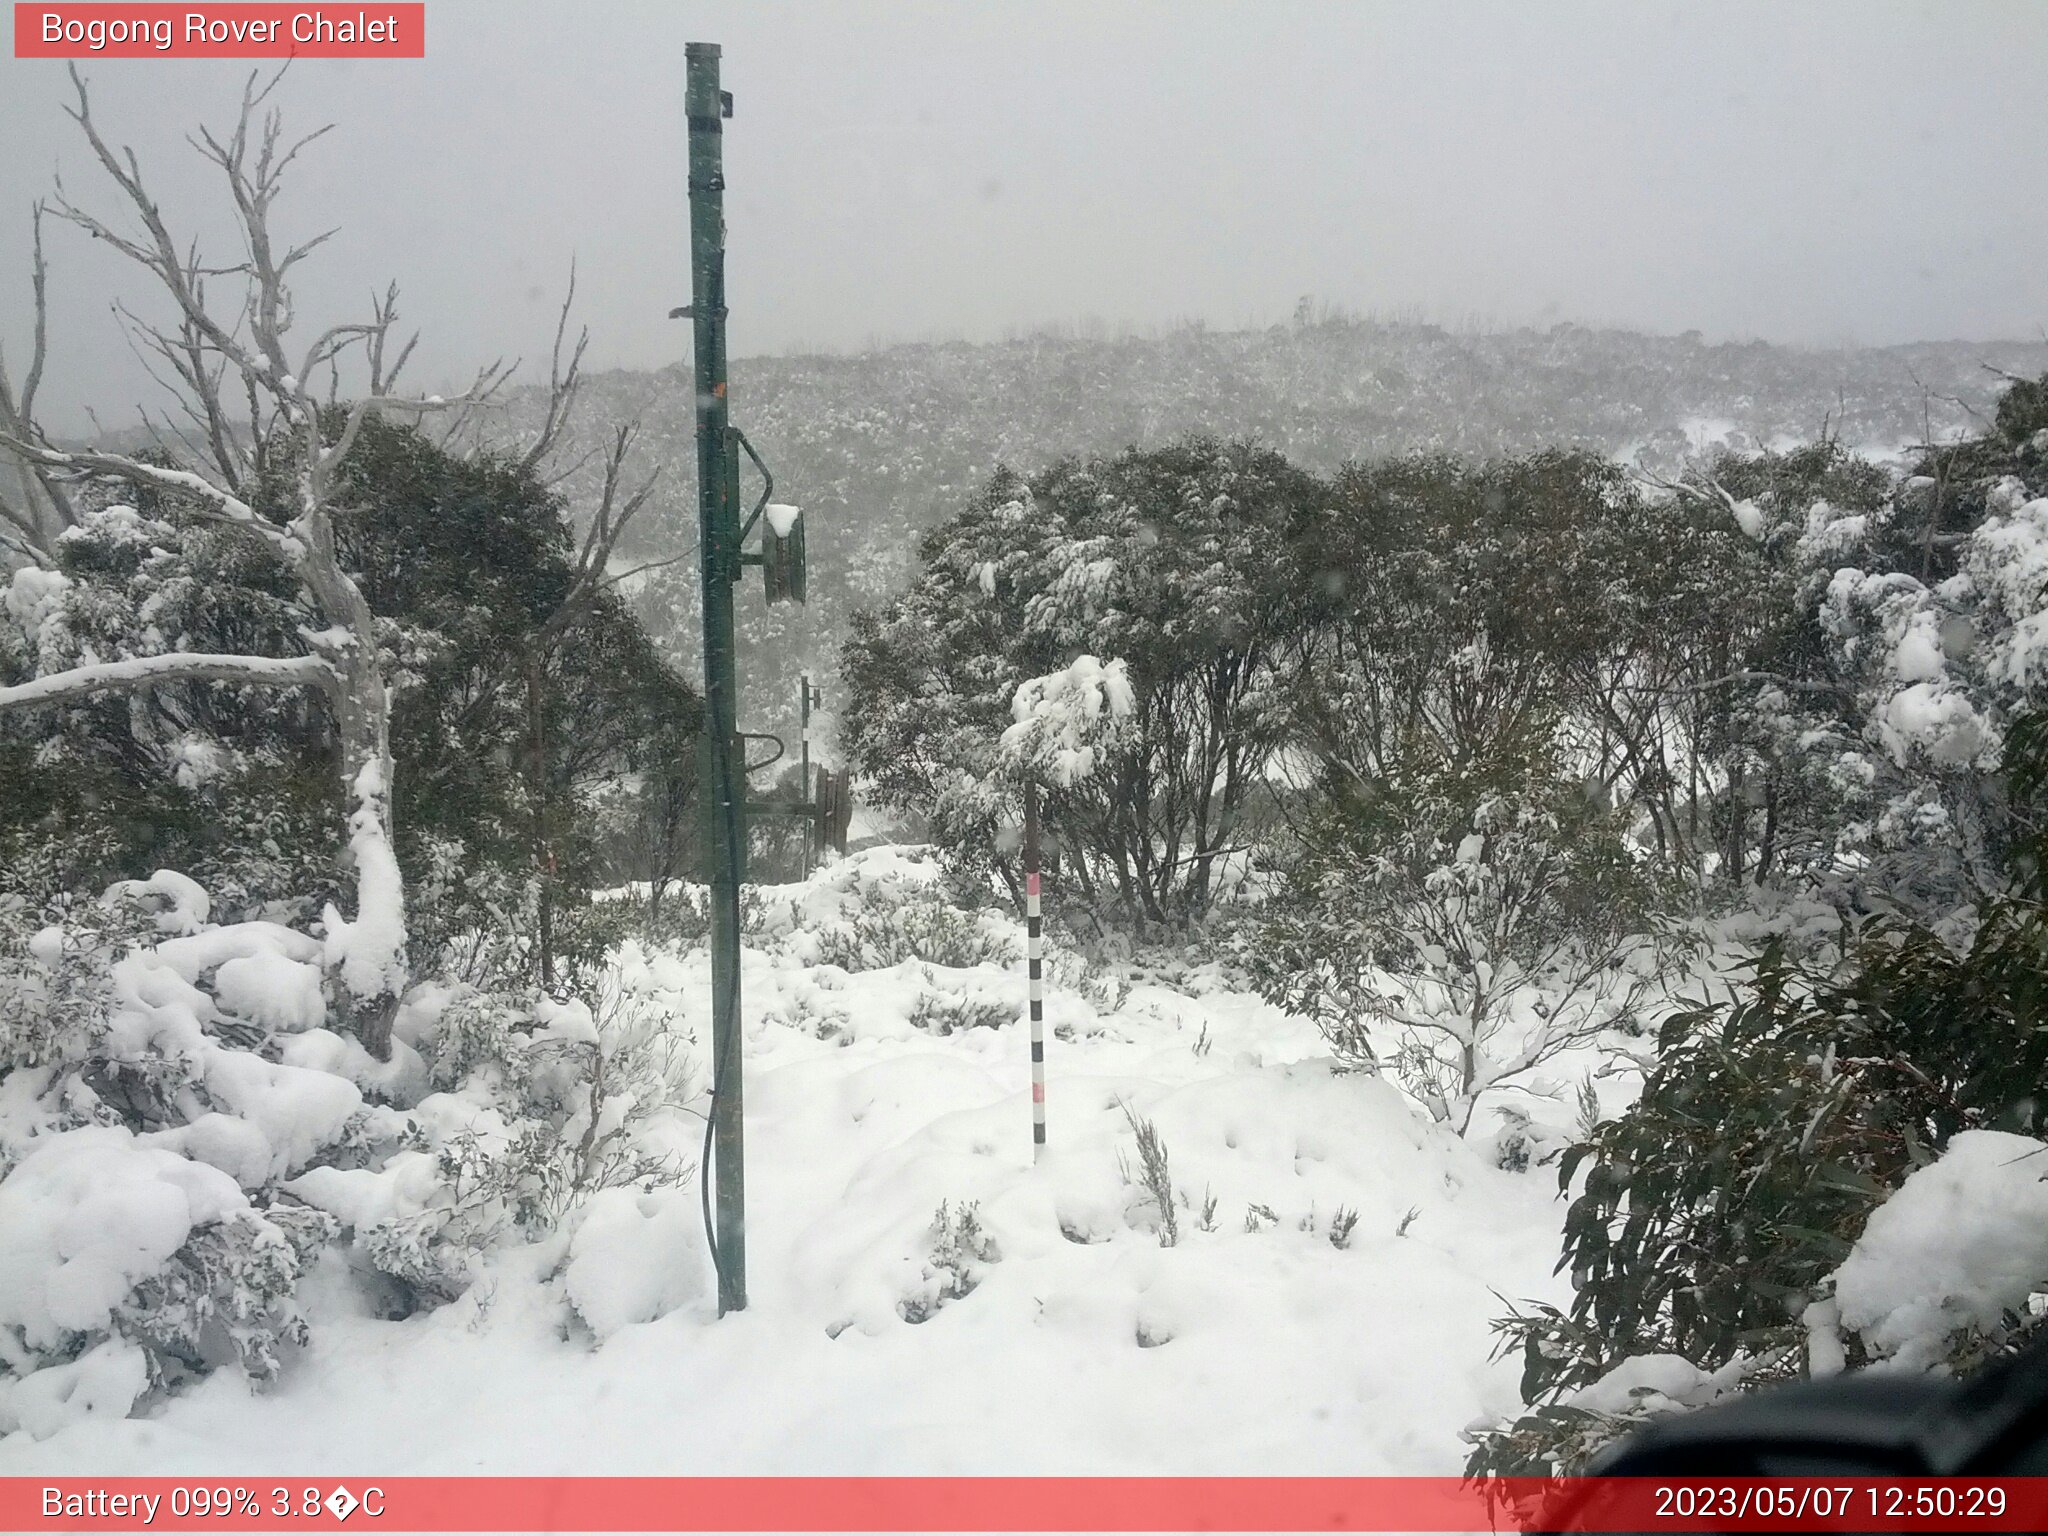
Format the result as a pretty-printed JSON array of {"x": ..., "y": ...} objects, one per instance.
[{"x": 1034, "y": 949}]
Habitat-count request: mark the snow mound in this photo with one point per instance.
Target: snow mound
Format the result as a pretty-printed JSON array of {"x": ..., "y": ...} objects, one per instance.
[
  {"x": 89, "y": 1213},
  {"x": 271, "y": 990},
  {"x": 179, "y": 903},
  {"x": 1959, "y": 1244},
  {"x": 1656, "y": 1384},
  {"x": 635, "y": 1258},
  {"x": 1329, "y": 1270},
  {"x": 102, "y": 1383}
]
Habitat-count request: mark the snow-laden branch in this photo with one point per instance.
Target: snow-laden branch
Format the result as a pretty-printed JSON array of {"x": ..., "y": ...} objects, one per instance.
[
  {"x": 1066, "y": 719},
  {"x": 172, "y": 667},
  {"x": 328, "y": 459},
  {"x": 214, "y": 501}
]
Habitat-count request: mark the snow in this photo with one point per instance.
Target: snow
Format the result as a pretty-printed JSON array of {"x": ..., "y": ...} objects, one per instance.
[
  {"x": 368, "y": 953},
  {"x": 1923, "y": 709},
  {"x": 271, "y": 990},
  {"x": 1831, "y": 534},
  {"x": 1647, "y": 1381},
  {"x": 298, "y": 1110},
  {"x": 1064, "y": 718},
  {"x": 196, "y": 761},
  {"x": 197, "y": 953},
  {"x": 781, "y": 518},
  {"x": 47, "y": 945},
  {"x": 568, "y": 1021},
  {"x": 33, "y": 594},
  {"x": 86, "y": 1214},
  {"x": 1920, "y": 656},
  {"x": 103, "y": 1383},
  {"x": 1959, "y": 1244},
  {"x": 364, "y": 1197},
  {"x": 181, "y": 904},
  {"x": 635, "y": 1258},
  {"x": 1938, "y": 720},
  {"x": 274, "y": 1116},
  {"x": 2007, "y": 561},
  {"x": 237, "y": 1148},
  {"x": 1080, "y": 1345},
  {"x": 402, "y": 1079},
  {"x": 133, "y": 670}
]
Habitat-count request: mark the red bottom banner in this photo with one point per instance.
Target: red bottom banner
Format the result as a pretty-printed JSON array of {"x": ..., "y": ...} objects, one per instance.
[{"x": 509, "y": 1504}]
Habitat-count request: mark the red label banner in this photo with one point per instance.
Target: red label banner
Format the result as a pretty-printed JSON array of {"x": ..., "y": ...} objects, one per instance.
[
  {"x": 395, "y": 1504},
  {"x": 217, "y": 31}
]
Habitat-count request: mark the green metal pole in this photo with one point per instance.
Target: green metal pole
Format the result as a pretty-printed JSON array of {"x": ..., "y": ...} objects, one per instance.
[{"x": 724, "y": 778}]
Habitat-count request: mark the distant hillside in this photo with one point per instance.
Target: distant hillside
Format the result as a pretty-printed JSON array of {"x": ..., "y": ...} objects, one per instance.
[{"x": 877, "y": 447}]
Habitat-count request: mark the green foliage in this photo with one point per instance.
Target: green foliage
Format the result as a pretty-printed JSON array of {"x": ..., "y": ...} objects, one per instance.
[
  {"x": 230, "y": 1293},
  {"x": 889, "y": 925},
  {"x": 960, "y": 1255},
  {"x": 2023, "y": 409},
  {"x": 1153, "y": 1175},
  {"x": 535, "y": 758},
  {"x": 534, "y": 755},
  {"x": 565, "y": 1099},
  {"x": 221, "y": 780},
  {"x": 1712, "y": 1212},
  {"x": 1176, "y": 561},
  {"x": 886, "y": 444},
  {"x": 946, "y": 1013},
  {"x": 55, "y": 986},
  {"x": 1462, "y": 934}
]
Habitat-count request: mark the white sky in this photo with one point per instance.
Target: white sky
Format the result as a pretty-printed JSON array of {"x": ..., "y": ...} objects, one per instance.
[{"x": 1816, "y": 172}]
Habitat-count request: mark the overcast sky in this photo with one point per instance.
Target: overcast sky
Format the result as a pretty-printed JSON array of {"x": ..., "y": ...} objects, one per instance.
[{"x": 1817, "y": 173}]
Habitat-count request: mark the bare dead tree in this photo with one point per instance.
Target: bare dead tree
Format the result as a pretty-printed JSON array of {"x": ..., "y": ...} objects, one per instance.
[
  {"x": 248, "y": 404},
  {"x": 31, "y": 520},
  {"x": 565, "y": 381}
]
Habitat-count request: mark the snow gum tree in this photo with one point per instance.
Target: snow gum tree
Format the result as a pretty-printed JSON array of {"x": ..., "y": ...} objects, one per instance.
[
  {"x": 1861, "y": 726},
  {"x": 1175, "y": 561},
  {"x": 256, "y": 449},
  {"x": 1471, "y": 886},
  {"x": 1720, "y": 1228},
  {"x": 531, "y": 724}
]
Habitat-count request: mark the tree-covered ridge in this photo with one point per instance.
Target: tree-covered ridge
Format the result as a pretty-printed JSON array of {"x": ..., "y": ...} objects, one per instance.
[{"x": 879, "y": 446}]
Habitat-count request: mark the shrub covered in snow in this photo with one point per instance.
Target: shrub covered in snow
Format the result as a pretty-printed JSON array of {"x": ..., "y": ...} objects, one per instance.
[
  {"x": 529, "y": 755},
  {"x": 182, "y": 1136},
  {"x": 882, "y": 923},
  {"x": 637, "y": 1254},
  {"x": 143, "y": 1142},
  {"x": 1464, "y": 940},
  {"x": 224, "y": 780},
  {"x": 533, "y": 1106},
  {"x": 1898, "y": 643},
  {"x": 1726, "y": 1218},
  {"x": 1948, "y": 1263},
  {"x": 960, "y": 1255}
]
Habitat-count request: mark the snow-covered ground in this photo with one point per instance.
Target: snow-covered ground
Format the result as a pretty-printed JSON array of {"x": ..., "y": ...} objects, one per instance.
[{"x": 1082, "y": 1345}]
